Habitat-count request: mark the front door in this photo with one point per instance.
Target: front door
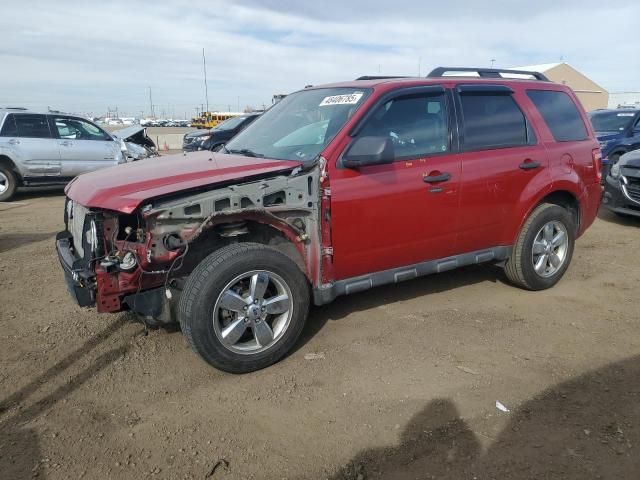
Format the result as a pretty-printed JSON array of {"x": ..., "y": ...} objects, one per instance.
[
  {"x": 83, "y": 146},
  {"x": 386, "y": 216}
]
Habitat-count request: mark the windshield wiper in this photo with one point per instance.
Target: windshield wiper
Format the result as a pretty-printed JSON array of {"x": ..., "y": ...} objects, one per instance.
[{"x": 246, "y": 152}]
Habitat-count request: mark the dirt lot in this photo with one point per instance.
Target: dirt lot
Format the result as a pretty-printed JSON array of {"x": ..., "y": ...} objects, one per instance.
[{"x": 404, "y": 384}]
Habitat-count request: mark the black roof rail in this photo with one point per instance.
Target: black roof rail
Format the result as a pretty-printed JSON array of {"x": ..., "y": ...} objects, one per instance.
[
  {"x": 380, "y": 77},
  {"x": 15, "y": 108},
  {"x": 486, "y": 72}
]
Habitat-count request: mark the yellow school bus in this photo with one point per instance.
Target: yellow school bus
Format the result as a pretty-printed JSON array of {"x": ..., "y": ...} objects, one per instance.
[{"x": 211, "y": 119}]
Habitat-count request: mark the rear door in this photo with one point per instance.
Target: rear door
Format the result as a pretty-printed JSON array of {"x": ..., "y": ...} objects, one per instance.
[
  {"x": 392, "y": 215},
  {"x": 83, "y": 146},
  {"x": 28, "y": 141},
  {"x": 502, "y": 163}
]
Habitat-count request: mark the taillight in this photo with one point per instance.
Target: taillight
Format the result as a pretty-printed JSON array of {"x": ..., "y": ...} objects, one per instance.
[{"x": 596, "y": 155}]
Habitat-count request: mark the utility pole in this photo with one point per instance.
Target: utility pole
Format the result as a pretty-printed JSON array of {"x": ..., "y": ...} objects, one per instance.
[
  {"x": 493, "y": 60},
  {"x": 153, "y": 115},
  {"x": 419, "y": 66},
  {"x": 206, "y": 89}
]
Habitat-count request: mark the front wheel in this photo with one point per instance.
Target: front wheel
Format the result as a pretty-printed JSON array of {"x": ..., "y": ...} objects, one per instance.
[
  {"x": 244, "y": 307},
  {"x": 8, "y": 183},
  {"x": 544, "y": 248}
]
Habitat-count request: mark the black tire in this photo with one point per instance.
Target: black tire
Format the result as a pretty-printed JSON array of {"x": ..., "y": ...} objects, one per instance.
[
  {"x": 519, "y": 267},
  {"x": 11, "y": 183},
  {"x": 206, "y": 283}
]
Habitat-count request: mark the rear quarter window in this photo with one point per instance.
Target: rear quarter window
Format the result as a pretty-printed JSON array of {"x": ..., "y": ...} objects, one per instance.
[{"x": 561, "y": 115}]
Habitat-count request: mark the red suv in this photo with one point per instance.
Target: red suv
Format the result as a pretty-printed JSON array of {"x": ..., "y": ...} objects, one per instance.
[{"x": 334, "y": 190}]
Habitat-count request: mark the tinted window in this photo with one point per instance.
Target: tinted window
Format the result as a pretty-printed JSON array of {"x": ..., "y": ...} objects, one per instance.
[
  {"x": 492, "y": 121},
  {"x": 77, "y": 129},
  {"x": 611, "y": 121},
  {"x": 9, "y": 127},
  {"x": 560, "y": 114},
  {"x": 31, "y": 126},
  {"x": 416, "y": 124}
]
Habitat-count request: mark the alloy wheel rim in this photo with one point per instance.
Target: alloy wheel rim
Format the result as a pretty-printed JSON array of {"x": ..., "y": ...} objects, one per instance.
[
  {"x": 550, "y": 247},
  {"x": 253, "y": 312},
  {"x": 4, "y": 183}
]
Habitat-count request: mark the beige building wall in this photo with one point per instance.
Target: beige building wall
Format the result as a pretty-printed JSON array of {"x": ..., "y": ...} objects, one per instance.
[{"x": 592, "y": 95}]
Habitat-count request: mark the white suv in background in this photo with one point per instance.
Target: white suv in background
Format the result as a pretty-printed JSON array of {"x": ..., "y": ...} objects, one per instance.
[{"x": 43, "y": 149}]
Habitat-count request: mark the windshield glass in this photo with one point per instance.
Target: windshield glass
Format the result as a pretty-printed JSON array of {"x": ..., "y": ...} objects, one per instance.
[
  {"x": 230, "y": 124},
  {"x": 300, "y": 125},
  {"x": 611, "y": 121}
]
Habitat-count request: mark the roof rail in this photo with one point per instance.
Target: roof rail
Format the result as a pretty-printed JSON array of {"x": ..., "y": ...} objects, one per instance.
[
  {"x": 379, "y": 77},
  {"x": 15, "y": 108},
  {"x": 486, "y": 72}
]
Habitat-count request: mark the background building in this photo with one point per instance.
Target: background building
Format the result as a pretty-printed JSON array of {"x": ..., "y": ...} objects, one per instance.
[{"x": 591, "y": 94}]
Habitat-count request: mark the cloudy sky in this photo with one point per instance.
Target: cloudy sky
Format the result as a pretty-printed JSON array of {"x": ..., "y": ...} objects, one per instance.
[{"x": 88, "y": 56}]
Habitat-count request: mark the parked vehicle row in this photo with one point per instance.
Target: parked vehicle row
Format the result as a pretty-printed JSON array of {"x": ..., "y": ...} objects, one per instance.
[
  {"x": 334, "y": 190},
  {"x": 219, "y": 135}
]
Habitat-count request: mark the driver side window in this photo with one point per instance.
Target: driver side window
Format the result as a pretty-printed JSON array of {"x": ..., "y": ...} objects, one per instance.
[
  {"x": 77, "y": 129},
  {"x": 417, "y": 125}
]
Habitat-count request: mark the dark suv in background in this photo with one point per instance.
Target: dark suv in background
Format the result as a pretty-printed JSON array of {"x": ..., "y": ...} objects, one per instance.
[
  {"x": 618, "y": 132},
  {"x": 217, "y": 136}
]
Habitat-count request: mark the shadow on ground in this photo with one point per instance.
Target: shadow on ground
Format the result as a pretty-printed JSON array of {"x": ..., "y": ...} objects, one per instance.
[
  {"x": 388, "y": 294},
  {"x": 20, "y": 455},
  {"x": 588, "y": 427},
  {"x": 610, "y": 217},
  {"x": 11, "y": 241}
]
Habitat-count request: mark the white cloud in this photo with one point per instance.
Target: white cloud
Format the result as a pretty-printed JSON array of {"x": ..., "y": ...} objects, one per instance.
[{"x": 81, "y": 56}]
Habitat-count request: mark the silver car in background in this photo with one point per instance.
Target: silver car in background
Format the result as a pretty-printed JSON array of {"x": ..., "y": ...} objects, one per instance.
[{"x": 44, "y": 149}]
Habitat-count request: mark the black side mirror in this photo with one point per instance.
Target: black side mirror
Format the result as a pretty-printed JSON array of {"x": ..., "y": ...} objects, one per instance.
[{"x": 369, "y": 151}]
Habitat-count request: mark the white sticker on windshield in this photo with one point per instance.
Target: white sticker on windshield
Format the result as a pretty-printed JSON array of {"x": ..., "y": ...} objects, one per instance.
[
  {"x": 626, "y": 114},
  {"x": 349, "y": 99}
]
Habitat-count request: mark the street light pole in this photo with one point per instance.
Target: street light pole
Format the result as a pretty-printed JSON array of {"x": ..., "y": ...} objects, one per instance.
[
  {"x": 153, "y": 115},
  {"x": 206, "y": 89}
]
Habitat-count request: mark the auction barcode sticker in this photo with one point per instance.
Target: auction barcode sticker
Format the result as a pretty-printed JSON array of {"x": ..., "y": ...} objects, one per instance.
[{"x": 349, "y": 99}]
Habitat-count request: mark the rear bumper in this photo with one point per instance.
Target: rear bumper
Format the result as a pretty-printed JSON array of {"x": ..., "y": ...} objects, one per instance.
[{"x": 79, "y": 280}]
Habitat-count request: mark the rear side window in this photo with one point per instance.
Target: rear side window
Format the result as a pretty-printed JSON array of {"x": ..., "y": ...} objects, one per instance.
[
  {"x": 560, "y": 114},
  {"x": 29, "y": 126},
  {"x": 492, "y": 120},
  {"x": 9, "y": 127}
]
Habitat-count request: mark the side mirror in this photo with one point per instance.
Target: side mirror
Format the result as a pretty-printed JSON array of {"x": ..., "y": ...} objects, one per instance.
[{"x": 369, "y": 151}]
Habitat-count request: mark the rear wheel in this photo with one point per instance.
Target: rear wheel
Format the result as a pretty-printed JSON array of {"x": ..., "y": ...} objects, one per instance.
[
  {"x": 244, "y": 307},
  {"x": 8, "y": 183},
  {"x": 544, "y": 248}
]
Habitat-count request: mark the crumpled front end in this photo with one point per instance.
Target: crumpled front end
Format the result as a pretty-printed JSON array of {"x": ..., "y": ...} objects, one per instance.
[{"x": 139, "y": 261}]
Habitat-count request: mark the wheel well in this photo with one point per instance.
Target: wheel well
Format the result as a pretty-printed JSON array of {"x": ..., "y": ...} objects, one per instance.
[
  {"x": 567, "y": 200},
  {"x": 6, "y": 161},
  {"x": 240, "y": 232}
]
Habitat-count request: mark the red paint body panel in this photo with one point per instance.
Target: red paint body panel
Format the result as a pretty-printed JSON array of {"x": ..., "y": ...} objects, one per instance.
[{"x": 124, "y": 187}]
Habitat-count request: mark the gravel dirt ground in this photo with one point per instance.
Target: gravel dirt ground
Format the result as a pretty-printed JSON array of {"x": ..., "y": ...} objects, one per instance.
[{"x": 397, "y": 383}]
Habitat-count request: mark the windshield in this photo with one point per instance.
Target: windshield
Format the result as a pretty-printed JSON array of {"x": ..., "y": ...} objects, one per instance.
[
  {"x": 300, "y": 126},
  {"x": 230, "y": 124},
  {"x": 611, "y": 121}
]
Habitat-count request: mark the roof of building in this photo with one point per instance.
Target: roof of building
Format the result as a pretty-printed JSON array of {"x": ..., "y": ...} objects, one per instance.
[{"x": 543, "y": 67}]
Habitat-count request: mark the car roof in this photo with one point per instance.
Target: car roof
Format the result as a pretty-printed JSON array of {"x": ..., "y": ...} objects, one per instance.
[
  {"x": 399, "y": 82},
  {"x": 619, "y": 110},
  {"x": 33, "y": 112}
]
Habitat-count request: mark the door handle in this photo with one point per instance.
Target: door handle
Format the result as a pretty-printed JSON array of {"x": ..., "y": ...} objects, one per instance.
[
  {"x": 66, "y": 143},
  {"x": 14, "y": 141},
  {"x": 439, "y": 177},
  {"x": 529, "y": 165}
]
